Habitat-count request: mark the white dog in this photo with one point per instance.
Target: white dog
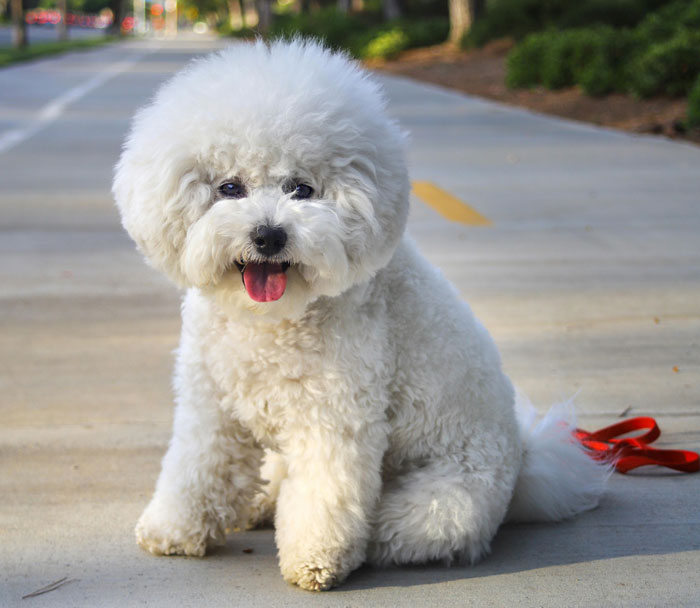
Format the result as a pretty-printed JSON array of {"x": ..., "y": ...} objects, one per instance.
[{"x": 320, "y": 352}]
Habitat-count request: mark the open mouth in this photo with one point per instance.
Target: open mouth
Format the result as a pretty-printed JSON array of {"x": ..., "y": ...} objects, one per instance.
[{"x": 264, "y": 281}]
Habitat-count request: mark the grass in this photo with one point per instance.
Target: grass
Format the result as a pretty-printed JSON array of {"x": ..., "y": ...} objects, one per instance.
[{"x": 9, "y": 55}]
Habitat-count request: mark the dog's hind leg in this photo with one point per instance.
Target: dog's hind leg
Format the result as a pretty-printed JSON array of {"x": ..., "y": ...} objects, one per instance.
[{"x": 444, "y": 510}]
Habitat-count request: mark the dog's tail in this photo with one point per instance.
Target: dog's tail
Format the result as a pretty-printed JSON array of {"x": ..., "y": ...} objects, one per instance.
[{"x": 558, "y": 479}]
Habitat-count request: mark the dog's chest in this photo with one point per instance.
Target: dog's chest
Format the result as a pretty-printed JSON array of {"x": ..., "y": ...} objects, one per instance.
[
  {"x": 331, "y": 372},
  {"x": 270, "y": 377}
]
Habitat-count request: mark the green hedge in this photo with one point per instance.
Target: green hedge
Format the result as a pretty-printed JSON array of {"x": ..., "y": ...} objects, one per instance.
[
  {"x": 524, "y": 62},
  {"x": 386, "y": 45},
  {"x": 667, "y": 68},
  {"x": 661, "y": 56},
  {"x": 591, "y": 57},
  {"x": 338, "y": 30},
  {"x": 518, "y": 18},
  {"x": 363, "y": 35}
]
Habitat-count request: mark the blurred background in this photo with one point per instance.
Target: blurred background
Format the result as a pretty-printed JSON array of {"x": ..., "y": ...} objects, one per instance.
[
  {"x": 587, "y": 274},
  {"x": 631, "y": 64}
]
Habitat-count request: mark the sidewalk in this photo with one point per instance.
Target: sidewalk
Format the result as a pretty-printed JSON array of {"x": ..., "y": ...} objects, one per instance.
[{"x": 588, "y": 278}]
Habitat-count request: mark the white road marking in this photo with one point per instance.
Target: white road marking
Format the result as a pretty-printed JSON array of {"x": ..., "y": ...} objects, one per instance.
[{"x": 51, "y": 111}]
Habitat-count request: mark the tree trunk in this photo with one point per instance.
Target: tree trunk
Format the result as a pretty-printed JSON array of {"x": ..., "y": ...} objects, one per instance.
[
  {"x": 62, "y": 26},
  {"x": 461, "y": 18},
  {"x": 343, "y": 6},
  {"x": 235, "y": 14},
  {"x": 19, "y": 27},
  {"x": 264, "y": 15},
  {"x": 391, "y": 9},
  {"x": 118, "y": 10},
  {"x": 250, "y": 14}
]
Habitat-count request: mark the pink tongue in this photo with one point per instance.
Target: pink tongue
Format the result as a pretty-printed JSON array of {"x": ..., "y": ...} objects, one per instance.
[{"x": 264, "y": 282}]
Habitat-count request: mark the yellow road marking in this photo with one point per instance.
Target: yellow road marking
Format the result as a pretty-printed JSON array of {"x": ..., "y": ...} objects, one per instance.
[{"x": 447, "y": 205}]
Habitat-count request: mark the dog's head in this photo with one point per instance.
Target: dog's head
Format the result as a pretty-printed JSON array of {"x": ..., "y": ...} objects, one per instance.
[{"x": 267, "y": 176}]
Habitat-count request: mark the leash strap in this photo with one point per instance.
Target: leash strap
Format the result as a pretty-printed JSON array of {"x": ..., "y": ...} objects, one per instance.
[{"x": 631, "y": 452}]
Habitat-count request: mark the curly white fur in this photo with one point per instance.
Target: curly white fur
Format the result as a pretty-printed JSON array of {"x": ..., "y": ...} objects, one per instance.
[{"x": 375, "y": 398}]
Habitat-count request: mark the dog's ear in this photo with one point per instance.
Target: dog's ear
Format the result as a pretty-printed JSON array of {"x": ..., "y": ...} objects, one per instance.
[
  {"x": 374, "y": 205},
  {"x": 154, "y": 188}
]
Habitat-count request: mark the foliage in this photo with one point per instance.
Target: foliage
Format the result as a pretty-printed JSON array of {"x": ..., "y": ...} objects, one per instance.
[
  {"x": 363, "y": 35},
  {"x": 669, "y": 67},
  {"x": 386, "y": 45},
  {"x": 615, "y": 13},
  {"x": 414, "y": 9},
  {"x": 664, "y": 23},
  {"x": 224, "y": 28},
  {"x": 387, "y": 41},
  {"x": 426, "y": 32},
  {"x": 514, "y": 19},
  {"x": 523, "y": 65},
  {"x": 661, "y": 55},
  {"x": 590, "y": 57},
  {"x": 89, "y": 7},
  {"x": 566, "y": 55},
  {"x": 694, "y": 105},
  {"x": 518, "y": 18},
  {"x": 337, "y": 29}
]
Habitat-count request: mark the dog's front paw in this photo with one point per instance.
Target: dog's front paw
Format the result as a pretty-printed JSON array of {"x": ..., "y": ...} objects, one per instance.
[
  {"x": 164, "y": 532},
  {"x": 319, "y": 570},
  {"x": 313, "y": 577}
]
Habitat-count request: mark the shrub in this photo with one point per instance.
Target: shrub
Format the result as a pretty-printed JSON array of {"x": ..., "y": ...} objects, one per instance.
[
  {"x": 670, "y": 67},
  {"x": 427, "y": 32},
  {"x": 599, "y": 77},
  {"x": 616, "y": 13},
  {"x": 386, "y": 45},
  {"x": 694, "y": 105},
  {"x": 335, "y": 28},
  {"x": 524, "y": 62},
  {"x": 668, "y": 20},
  {"x": 591, "y": 57},
  {"x": 363, "y": 35},
  {"x": 518, "y": 18},
  {"x": 225, "y": 29},
  {"x": 388, "y": 41},
  {"x": 567, "y": 55},
  {"x": 514, "y": 19}
]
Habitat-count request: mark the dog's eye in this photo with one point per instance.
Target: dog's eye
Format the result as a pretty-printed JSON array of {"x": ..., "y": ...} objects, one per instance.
[
  {"x": 299, "y": 190},
  {"x": 302, "y": 191},
  {"x": 234, "y": 189}
]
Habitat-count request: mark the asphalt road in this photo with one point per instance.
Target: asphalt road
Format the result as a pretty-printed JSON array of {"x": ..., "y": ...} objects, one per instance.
[
  {"x": 48, "y": 33},
  {"x": 588, "y": 277}
]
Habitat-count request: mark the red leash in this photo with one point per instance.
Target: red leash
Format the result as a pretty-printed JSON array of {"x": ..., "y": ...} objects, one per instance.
[{"x": 632, "y": 452}]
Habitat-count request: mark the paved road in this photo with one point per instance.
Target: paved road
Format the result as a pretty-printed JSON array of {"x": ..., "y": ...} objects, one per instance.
[
  {"x": 48, "y": 33},
  {"x": 588, "y": 277}
]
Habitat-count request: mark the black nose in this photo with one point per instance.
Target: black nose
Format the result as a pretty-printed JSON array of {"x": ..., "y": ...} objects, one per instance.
[{"x": 269, "y": 240}]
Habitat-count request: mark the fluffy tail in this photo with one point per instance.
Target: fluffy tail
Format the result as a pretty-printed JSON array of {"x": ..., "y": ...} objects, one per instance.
[{"x": 557, "y": 479}]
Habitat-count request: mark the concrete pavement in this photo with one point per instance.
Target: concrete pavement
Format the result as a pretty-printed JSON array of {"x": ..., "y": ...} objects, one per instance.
[{"x": 588, "y": 278}]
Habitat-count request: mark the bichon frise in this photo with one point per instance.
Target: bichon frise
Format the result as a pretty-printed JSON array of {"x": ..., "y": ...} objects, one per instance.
[{"x": 320, "y": 353}]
